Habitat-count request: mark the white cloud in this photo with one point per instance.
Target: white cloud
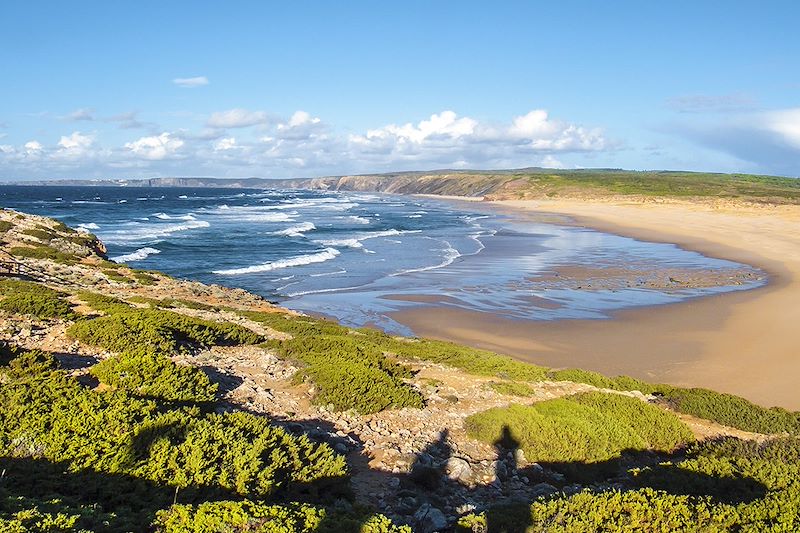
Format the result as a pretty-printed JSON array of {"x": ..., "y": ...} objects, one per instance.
[
  {"x": 785, "y": 123},
  {"x": 156, "y": 147},
  {"x": 301, "y": 118},
  {"x": 190, "y": 83},
  {"x": 237, "y": 118},
  {"x": 33, "y": 147},
  {"x": 76, "y": 142},
  {"x": 226, "y": 143}
]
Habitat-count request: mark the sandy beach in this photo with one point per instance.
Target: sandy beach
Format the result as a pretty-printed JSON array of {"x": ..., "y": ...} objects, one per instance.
[{"x": 746, "y": 343}]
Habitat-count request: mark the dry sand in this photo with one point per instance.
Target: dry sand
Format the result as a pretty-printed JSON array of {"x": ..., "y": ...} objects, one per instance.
[{"x": 746, "y": 343}]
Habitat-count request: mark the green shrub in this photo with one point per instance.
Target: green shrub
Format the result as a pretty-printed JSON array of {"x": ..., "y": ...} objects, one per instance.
[
  {"x": 43, "y": 252},
  {"x": 620, "y": 383},
  {"x": 149, "y": 331},
  {"x": 155, "y": 375},
  {"x": 263, "y": 518},
  {"x": 42, "y": 235},
  {"x": 30, "y": 298},
  {"x": 47, "y": 415},
  {"x": 103, "y": 302},
  {"x": 732, "y": 411},
  {"x": 114, "y": 275},
  {"x": 513, "y": 389},
  {"x": 5, "y": 225},
  {"x": 144, "y": 278},
  {"x": 587, "y": 427}
]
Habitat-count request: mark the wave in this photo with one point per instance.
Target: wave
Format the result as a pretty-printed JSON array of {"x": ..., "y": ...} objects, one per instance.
[
  {"x": 320, "y": 257},
  {"x": 164, "y": 216},
  {"x": 360, "y": 220},
  {"x": 138, "y": 255},
  {"x": 298, "y": 230},
  {"x": 414, "y": 216},
  {"x": 342, "y": 271},
  {"x": 148, "y": 232},
  {"x": 86, "y": 227},
  {"x": 355, "y": 242}
]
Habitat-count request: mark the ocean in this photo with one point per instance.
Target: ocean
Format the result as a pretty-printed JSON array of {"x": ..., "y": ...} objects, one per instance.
[{"x": 359, "y": 257}]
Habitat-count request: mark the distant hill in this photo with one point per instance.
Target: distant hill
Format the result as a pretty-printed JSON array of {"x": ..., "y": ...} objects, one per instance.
[{"x": 526, "y": 183}]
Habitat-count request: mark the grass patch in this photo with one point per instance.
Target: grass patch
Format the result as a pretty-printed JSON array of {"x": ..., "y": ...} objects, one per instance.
[
  {"x": 588, "y": 427},
  {"x": 512, "y": 388},
  {"x": 144, "y": 278},
  {"x": 5, "y": 225},
  {"x": 28, "y": 298}
]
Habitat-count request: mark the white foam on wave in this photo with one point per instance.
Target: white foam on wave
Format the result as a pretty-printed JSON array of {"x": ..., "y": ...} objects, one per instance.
[
  {"x": 322, "y": 274},
  {"x": 414, "y": 216},
  {"x": 164, "y": 216},
  {"x": 134, "y": 231},
  {"x": 320, "y": 257},
  {"x": 88, "y": 226},
  {"x": 298, "y": 230},
  {"x": 138, "y": 255},
  {"x": 355, "y": 242},
  {"x": 360, "y": 220}
]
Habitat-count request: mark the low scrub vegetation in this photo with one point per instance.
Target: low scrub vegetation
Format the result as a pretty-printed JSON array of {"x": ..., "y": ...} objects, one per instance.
[
  {"x": 41, "y": 234},
  {"x": 43, "y": 252},
  {"x": 5, "y": 225},
  {"x": 35, "y": 299},
  {"x": 79, "y": 459},
  {"x": 124, "y": 329},
  {"x": 587, "y": 427},
  {"x": 512, "y": 388},
  {"x": 155, "y": 376},
  {"x": 727, "y": 485},
  {"x": 263, "y": 518}
]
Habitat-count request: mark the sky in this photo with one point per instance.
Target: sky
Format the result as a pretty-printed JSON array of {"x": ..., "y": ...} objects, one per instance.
[{"x": 299, "y": 89}]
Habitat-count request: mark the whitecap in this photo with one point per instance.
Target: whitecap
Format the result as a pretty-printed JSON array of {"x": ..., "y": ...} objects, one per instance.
[
  {"x": 355, "y": 242},
  {"x": 298, "y": 230},
  {"x": 320, "y": 257},
  {"x": 88, "y": 226},
  {"x": 450, "y": 255},
  {"x": 138, "y": 255}
]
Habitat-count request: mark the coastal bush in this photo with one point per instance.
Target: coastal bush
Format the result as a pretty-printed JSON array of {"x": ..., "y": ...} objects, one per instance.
[
  {"x": 586, "y": 427},
  {"x": 144, "y": 278},
  {"x": 156, "y": 376},
  {"x": 114, "y": 275},
  {"x": 732, "y": 411},
  {"x": 41, "y": 234},
  {"x": 103, "y": 302},
  {"x": 28, "y": 298},
  {"x": 512, "y": 388},
  {"x": 57, "y": 437},
  {"x": 263, "y": 518},
  {"x": 620, "y": 383},
  {"x": 5, "y": 225},
  {"x": 43, "y": 252},
  {"x": 150, "y": 331}
]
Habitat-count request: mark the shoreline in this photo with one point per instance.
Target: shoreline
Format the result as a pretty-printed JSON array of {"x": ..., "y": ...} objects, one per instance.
[{"x": 743, "y": 342}]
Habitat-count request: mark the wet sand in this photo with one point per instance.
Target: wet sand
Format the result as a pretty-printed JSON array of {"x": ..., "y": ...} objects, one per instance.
[{"x": 746, "y": 343}]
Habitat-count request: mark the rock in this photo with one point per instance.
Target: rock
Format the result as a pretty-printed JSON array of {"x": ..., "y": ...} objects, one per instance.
[
  {"x": 429, "y": 519},
  {"x": 519, "y": 456},
  {"x": 544, "y": 489},
  {"x": 458, "y": 469}
]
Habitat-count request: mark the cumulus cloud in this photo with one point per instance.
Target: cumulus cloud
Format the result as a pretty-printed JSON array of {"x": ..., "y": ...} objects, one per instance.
[
  {"x": 156, "y": 147},
  {"x": 190, "y": 83},
  {"x": 76, "y": 141},
  {"x": 226, "y": 143},
  {"x": 303, "y": 144},
  {"x": 237, "y": 118}
]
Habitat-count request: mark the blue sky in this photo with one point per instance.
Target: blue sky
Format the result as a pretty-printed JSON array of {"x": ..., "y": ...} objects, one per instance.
[{"x": 146, "y": 88}]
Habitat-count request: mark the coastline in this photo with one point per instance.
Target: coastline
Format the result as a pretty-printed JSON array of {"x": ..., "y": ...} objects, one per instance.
[{"x": 742, "y": 342}]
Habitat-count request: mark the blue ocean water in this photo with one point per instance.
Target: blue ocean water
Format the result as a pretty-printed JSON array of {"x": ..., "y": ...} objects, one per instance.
[{"x": 358, "y": 256}]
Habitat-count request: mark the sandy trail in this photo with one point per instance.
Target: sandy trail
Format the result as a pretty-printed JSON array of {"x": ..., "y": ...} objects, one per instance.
[{"x": 747, "y": 343}]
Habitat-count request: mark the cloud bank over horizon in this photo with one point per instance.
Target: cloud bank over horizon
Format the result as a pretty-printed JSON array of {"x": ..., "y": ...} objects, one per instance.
[{"x": 241, "y": 142}]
